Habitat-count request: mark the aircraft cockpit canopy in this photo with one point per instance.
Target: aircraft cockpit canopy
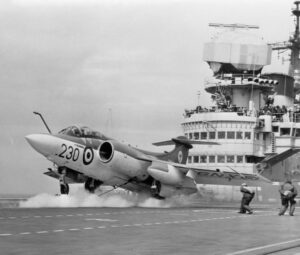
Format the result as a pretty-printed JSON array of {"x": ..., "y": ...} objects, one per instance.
[{"x": 83, "y": 132}]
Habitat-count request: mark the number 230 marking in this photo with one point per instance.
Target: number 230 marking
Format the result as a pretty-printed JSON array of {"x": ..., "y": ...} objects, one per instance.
[{"x": 69, "y": 152}]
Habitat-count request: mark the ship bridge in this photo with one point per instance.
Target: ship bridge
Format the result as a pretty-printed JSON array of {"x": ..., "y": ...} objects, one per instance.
[
  {"x": 247, "y": 120},
  {"x": 236, "y": 55}
]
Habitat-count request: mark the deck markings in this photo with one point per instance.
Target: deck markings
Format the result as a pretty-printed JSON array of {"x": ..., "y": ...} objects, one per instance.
[
  {"x": 42, "y": 232},
  {"x": 25, "y": 233},
  {"x": 178, "y": 212},
  {"x": 149, "y": 224},
  {"x": 108, "y": 220},
  {"x": 264, "y": 247}
]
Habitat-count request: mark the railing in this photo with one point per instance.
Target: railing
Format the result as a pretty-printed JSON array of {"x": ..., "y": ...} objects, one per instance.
[
  {"x": 241, "y": 111},
  {"x": 240, "y": 81},
  {"x": 277, "y": 116}
]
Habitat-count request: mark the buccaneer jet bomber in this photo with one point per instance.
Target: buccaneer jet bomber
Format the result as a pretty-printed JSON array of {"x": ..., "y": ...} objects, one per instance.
[{"x": 83, "y": 155}]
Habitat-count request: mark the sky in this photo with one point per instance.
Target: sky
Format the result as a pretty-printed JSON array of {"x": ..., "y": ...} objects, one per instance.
[{"x": 126, "y": 68}]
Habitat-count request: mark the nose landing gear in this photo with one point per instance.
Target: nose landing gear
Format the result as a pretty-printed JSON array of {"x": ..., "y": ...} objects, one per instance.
[{"x": 64, "y": 186}]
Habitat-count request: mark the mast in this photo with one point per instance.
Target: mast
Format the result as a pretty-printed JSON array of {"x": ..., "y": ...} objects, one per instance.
[{"x": 293, "y": 44}]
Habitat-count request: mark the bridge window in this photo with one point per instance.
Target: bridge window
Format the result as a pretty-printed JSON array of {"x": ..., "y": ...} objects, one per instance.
[
  {"x": 212, "y": 159},
  {"x": 297, "y": 132},
  {"x": 239, "y": 135},
  {"x": 221, "y": 135},
  {"x": 265, "y": 136},
  {"x": 203, "y": 159},
  {"x": 196, "y": 159},
  {"x": 230, "y": 159},
  {"x": 230, "y": 135},
  {"x": 285, "y": 131},
  {"x": 239, "y": 159},
  {"x": 212, "y": 135},
  {"x": 196, "y": 135},
  {"x": 248, "y": 135},
  {"x": 203, "y": 135},
  {"x": 191, "y": 136},
  {"x": 221, "y": 159},
  {"x": 275, "y": 129},
  {"x": 189, "y": 159}
]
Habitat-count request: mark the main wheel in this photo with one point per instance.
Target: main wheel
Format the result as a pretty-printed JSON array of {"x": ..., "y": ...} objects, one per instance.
[
  {"x": 91, "y": 185},
  {"x": 155, "y": 188}
]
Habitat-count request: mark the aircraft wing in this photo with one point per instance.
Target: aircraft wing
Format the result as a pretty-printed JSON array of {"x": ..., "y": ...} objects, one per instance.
[
  {"x": 205, "y": 176},
  {"x": 176, "y": 173},
  {"x": 273, "y": 159}
]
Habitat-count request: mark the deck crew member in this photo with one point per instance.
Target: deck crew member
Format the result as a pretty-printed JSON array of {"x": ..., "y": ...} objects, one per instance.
[
  {"x": 248, "y": 195},
  {"x": 288, "y": 192}
]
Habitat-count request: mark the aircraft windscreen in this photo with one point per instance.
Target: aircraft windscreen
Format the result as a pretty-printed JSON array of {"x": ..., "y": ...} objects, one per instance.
[
  {"x": 71, "y": 131},
  {"x": 84, "y": 132},
  {"x": 89, "y": 133}
]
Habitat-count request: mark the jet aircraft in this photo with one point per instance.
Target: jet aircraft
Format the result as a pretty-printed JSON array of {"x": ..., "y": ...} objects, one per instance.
[{"x": 83, "y": 155}]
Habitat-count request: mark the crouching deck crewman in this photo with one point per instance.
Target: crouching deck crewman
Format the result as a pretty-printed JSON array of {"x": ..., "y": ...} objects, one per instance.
[
  {"x": 288, "y": 192},
  {"x": 248, "y": 195}
]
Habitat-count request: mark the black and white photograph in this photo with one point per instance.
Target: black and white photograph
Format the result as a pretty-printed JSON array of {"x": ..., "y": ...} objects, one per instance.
[{"x": 149, "y": 127}]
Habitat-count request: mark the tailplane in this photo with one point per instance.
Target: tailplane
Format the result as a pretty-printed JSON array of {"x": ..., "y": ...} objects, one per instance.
[{"x": 182, "y": 146}]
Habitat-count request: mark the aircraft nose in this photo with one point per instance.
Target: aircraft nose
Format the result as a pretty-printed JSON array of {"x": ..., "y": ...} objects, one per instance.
[{"x": 42, "y": 143}]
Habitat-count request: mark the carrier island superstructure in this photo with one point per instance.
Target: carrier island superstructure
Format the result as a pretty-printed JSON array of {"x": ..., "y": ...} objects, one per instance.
[{"x": 255, "y": 117}]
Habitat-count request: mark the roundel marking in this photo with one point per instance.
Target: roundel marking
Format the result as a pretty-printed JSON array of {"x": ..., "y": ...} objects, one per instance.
[
  {"x": 88, "y": 155},
  {"x": 180, "y": 157}
]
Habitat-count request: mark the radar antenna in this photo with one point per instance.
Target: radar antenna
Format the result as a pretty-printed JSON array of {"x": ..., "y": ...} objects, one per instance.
[{"x": 233, "y": 26}]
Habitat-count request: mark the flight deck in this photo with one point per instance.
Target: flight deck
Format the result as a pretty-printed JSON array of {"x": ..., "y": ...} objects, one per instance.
[{"x": 134, "y": 230}]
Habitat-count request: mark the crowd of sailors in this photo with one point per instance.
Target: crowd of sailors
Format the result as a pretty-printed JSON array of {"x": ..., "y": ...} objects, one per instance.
[{"x": 278, "y": 113}]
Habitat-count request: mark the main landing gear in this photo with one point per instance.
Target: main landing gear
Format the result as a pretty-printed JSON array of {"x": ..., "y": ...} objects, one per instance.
[
  {"x": 155, "y": 189},
  {"x": 91, "y": 184}
]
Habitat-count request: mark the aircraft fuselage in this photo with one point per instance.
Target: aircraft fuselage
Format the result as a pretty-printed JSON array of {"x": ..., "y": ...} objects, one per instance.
[{"x": 83, "y": 155}]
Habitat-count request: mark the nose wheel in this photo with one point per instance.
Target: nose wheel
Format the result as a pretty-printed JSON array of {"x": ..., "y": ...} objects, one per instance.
[{"x": 64, "y": 186}]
